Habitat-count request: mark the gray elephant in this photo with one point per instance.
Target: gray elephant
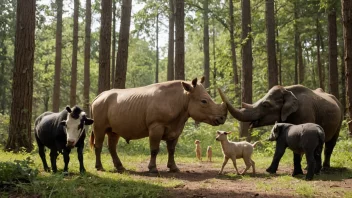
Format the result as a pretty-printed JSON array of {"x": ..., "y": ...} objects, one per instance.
[
  {"x": 295, "y": 104},
  {"x": 305, "y": 139}
]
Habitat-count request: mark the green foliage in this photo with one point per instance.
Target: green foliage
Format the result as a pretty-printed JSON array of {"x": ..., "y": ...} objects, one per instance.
[
  {"x": 18, "y": 171},
  {"x": 4, "y": 126}
]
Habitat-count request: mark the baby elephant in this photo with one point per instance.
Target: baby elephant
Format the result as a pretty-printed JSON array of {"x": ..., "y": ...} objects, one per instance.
[
  {"x": 236, "y": 150},
  {"x": 302, "y": 139}
]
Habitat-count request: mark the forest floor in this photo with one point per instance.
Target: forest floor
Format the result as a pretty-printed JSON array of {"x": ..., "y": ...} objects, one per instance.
[{"x": 196, "y": 179}]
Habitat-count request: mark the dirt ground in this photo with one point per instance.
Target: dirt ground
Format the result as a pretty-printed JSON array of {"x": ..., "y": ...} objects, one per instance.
[{"x": 202, "y": 180}]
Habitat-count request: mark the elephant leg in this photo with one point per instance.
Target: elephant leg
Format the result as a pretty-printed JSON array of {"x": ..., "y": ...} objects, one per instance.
[
  {"x": 98, "y": 146},
  {"x": 317, "y": 156},
  {"x": 329, "y": 147},
  {"x": 279, "y": 152},
  {"x": 311, "y": 164},
  {"x": 80, "y": 159},
  {"x": 113, "y": 139},
  {"x": 155, "y": 135},
  {"x": 226, "y": 159},
  {"x": 53, "y": 156},
  {"x": 171, "y": 145},
  {"x": 297, "y": 168},
  {"x": 66, "y": 155}
]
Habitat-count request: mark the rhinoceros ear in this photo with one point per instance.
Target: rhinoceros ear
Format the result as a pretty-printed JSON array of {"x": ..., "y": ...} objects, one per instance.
[
  {"x": 194, "y": 82},
  {"x": 187, "y": 87}
]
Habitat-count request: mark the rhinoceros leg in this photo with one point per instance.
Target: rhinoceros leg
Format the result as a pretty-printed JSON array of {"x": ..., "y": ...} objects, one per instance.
[
  {"x": 171, "y": 145},
  {"x": 113, "y": 139},
  {"x": 155, "y": 135}
]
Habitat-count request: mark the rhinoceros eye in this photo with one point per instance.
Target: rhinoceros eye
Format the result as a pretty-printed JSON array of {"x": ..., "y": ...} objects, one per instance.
[{"x": 204, "y": 101}]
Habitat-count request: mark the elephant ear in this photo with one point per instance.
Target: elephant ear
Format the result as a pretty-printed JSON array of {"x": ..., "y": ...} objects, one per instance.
[{"x": 290, "y": 105}]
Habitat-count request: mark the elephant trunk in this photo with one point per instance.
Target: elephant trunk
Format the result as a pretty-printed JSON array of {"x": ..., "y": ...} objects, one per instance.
[{"x": 242, "y": 115}]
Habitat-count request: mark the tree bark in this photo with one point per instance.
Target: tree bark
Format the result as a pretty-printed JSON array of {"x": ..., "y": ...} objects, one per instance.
[
  {"x": 300, "y": 62},
  {"x": 58, "y": 55},
  {"x": 347, "y": 35},
  {"x": 170, "y": 55},
  {"x": 270, "y": 43},
  {"x": 180, "y": 41},
  {"x": 105, "y": 44},
  {"x": 113, "y": 55},
  {"x": 74, "y": 54},
  {"x": 206, "y": 55},
  {"x": 333, "y": 72},
  {"x": 87, "y": 56},
  {"x": 278, "y": 52},
  {"x": 319, "y": 65},
  {"x": 233, "y": 50},
  {"x": 296, "y": 40},
  {"x": 214, "y": 60},
  {"x": 122, "y": 50},
  {"x": 157, "y": 49},
  {"x": 22, "y": 84},
  {"x": 247, "y": 62}
]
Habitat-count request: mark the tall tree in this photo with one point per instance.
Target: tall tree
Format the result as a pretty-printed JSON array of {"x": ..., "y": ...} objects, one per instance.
[
  {"x": 113, "y": 43},
  {"x": 58, "y": 55},
  {"x": 270, "y": 43},
  {"x": 318, "y": 44},
  {"x": 233, "y": 46},
  {"x": 180, "y": 40},
  {"x": 157, "y": 47},
  {"x": 347, "y": 35},
  {"x": 300, "y": 61},
  {"x": 122, "y": 50},
  {"x": 332, "y": 30},
  {"x": 170, "y": 53},
  {"x": 74, "y": 54},
  {"x": 104, "y": 47},
  {"x": 247, "y": 62},
  {"x": 22, "y": 84},
  {"x": 278, "y": 51},
  {"x": 296, "y": 39},
  {"x": 206, "y": 55},
  {"x": 214, "y": 59},
  {"x": 87, "y": 55}
]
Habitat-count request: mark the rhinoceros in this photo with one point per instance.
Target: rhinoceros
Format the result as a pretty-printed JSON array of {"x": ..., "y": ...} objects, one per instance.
[{"x": 158, "y": 111}]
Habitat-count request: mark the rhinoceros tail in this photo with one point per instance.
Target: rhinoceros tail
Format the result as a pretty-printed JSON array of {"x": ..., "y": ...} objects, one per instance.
[
  {"x": 91, "y": 140},
  {"x": 255, "y": 143}
]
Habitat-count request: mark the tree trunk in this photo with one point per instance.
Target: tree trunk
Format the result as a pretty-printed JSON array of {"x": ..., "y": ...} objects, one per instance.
[
  {"x": 296, "y": 40},
  {"x": 113, "y": 55},
  {"x": 157, "y": 49},
  {"x": 333, "y": 72},
  {"x": 233, "y": 51},
  {"x": 270, "y": 43},
  {"x": 58, "y": 55},
  {"x": 74, "y": 54},
  {"x": 87, "y": 56},
  {"x": 347, "y": 35},
  {"x": 170, "y": 55},
  {"x": 319, "y": 65},
  {"x": 122, "y": 50},
  {"x": 247, "y": 62},
  {"x": 180, "y": 41},
  {"x": 22, "y": 84},
  {"x": 2, "y": 82},
  {"x": 343, "y": 76},
  {"x": 300, "y": 62},
  {"x": 214, "y": 59},
  {"x": 105, "y": 44},
  {"x": 206, "y": 59},
  {"x": 278, "y": 50}
]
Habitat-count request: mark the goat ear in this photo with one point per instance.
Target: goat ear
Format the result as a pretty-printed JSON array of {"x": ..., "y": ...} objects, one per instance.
[
  {"x": 218, "y": 132},
  {"x": 228, "y": 132}
]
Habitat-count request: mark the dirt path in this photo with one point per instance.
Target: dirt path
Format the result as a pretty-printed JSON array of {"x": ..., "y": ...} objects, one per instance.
[{"x": 202, "y": 180}]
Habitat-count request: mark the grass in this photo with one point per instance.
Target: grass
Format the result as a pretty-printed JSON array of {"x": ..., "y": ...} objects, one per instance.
[{"x": 136, "y": 183}]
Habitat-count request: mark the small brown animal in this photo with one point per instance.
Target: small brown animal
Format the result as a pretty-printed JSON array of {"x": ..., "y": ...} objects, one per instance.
[
  {"x": 198, "y": 150},
  {"x": 209, "y": 153},
  {"x": 236, "y": 150}
]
